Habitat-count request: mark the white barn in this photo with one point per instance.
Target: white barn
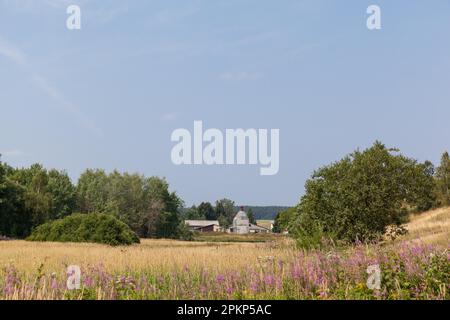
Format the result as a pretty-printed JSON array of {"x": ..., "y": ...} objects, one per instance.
[{"x": 241, "y": 223}]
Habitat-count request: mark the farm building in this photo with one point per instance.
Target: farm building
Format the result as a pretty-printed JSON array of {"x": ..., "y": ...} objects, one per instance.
[
  {"x": 241, "y": 223},
  {"x": 204, "y": 225},
  {"x": 258, "y": 229},
  {"x": 268, "y": 224}
]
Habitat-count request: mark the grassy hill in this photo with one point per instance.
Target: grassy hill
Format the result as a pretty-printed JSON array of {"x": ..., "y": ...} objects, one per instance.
[{"x": 430, "y": 227}]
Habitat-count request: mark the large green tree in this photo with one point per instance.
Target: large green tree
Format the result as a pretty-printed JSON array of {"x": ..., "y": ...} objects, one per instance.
[
  {"x": 360, "y": 196},
  {"x": 283, "y": 220},
  {"x": 92, "y": 192},
  {"x": 145, "y": 204},
  {"x": 63, "y": 194},
  {"x": 207, "y": 210},
  {"x": 15, "y": 219},
  {"x": 227, "y": 211},
  {"x": 443, "y": 180},
  {"x": 251, "y": 216}
]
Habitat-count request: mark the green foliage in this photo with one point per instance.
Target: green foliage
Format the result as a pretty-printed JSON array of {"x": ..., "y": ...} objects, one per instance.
[
  {"x": 92, "y": 191},
  {"x": 423, "y": 195},
  {"x": 226, "y": 210},
  {"x": 206, "y": 210},
  {"x": 443, "y": 181},
  {"x": 283, "y": 220},
  {"x": 144, "y": 204},
  {"x": 48, "y": 194},
  {"x": 15, "y": 220},
  {"x": 192, "y": 213},
  {"x": 62, "y": 193},
  {"x": 358, "y": 197},
  {"x": 93, "y": 228},
  {"x": 264, "y": 212},
  {"x": 184, "y": 233},
  {"x": 251, "y": 216}
]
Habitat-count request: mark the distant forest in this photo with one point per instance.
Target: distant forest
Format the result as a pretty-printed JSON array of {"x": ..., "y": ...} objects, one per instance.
[{"x": 265, "y": 213}]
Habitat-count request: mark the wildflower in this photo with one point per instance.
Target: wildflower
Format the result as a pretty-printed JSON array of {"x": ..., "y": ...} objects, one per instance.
[
  {"x": 269, "y": 280},
  {"x": 54, "y": 284},
  {"x": 254, "y": 286},
  {"x": 220, "y": 278},
  {"x": 88, "y": 282}
]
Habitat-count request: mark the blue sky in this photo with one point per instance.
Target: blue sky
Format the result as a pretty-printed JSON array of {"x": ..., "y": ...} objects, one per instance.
[{"x": 110, "y": 95}]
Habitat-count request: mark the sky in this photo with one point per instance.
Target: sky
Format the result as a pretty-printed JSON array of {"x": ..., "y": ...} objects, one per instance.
[{"x": 110, "y": 95}]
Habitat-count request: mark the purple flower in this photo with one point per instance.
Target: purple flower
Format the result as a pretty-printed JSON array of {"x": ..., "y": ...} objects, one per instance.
[
  {"x": 88, "y": 282},
  {"x": 269, "y": 280}
]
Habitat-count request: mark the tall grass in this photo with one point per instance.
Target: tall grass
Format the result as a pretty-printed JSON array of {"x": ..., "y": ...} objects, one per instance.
[{"x": 177, "y": 270}]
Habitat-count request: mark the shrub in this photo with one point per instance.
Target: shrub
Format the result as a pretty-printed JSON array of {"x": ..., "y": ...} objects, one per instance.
[
  {"x": 184, "y": 233},
  {"x": 93, "y": 227}
]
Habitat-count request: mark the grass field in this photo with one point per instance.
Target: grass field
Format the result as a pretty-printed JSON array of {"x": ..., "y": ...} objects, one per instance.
[
  {"x": 431, "y": 227},
  {"x": 415, "y": 267}
]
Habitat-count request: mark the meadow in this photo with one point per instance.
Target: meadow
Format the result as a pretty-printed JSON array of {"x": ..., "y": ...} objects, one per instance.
[{"x": 414, "y": 267}]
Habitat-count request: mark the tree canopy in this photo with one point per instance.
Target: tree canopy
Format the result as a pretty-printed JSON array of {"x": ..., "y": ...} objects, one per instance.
[
  {"x": 443, "y": 180},
  {"x": 358, "y": 197}
]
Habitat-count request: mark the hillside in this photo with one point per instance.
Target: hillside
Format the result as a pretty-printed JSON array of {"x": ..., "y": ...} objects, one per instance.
[{"x": 430, "y": 227}]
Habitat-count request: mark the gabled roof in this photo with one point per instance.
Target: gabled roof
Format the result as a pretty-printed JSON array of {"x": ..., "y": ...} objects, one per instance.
[
  {"x": 201, "y": 223},
  {"x": 255, "y": 227}
]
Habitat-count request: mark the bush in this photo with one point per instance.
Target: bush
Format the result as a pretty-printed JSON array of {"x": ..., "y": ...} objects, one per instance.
[
  {"x": 93, "y": 227},
  {"x": 184, "y": 233}
]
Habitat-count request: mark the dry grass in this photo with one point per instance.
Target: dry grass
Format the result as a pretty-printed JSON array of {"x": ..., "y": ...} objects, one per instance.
[
  {"x": 150, "y": 255},
  {"x": 157, "y": 255},
  {"x": 430, "y": 227}
]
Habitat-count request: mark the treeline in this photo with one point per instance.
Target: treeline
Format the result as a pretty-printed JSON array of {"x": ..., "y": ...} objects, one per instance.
[
  {"x": 32, "y": 196},
  {"x": 223, "y": 211},
  {"x": 266, "y": 212},
  {"x": 365, "y": 196}
]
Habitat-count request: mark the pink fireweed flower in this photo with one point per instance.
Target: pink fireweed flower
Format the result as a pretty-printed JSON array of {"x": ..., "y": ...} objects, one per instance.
[
  {"x": 254, "y": 286},
  {"x": 295, "y": 272},
  {"x": 269, "y": 280},
  {"x": 88, "y": 282}
]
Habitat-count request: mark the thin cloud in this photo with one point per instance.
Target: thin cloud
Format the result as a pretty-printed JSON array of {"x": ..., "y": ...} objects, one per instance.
[
  {"x": 240, "y": 76},
  {"x": 15, "y": 55}
]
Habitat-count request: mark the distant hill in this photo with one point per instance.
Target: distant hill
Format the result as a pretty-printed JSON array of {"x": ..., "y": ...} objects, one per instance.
[{"x": 265, "y": 213}]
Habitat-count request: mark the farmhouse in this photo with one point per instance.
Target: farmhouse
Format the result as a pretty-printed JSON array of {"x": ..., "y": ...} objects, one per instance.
[
  {"x": 204, "y": 225},
  {"x": 242, "y": 225}
]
